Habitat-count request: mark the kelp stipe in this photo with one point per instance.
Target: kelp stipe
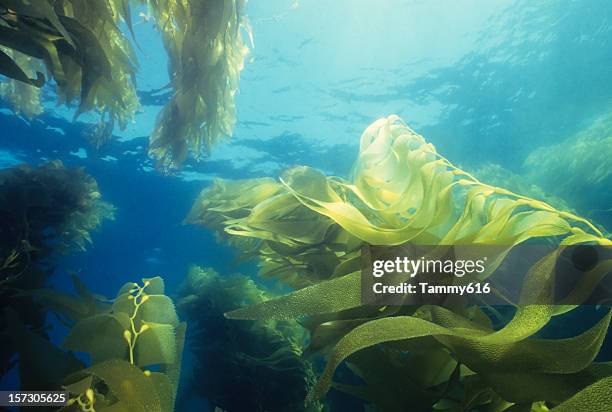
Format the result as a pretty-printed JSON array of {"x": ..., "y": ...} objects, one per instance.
[
  {"x": 308, "y": 232},
  {"x": 136, "y": 374}
]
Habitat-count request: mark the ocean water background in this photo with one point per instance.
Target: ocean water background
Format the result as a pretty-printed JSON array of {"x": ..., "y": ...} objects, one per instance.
[{"x": 484, "y": 81}]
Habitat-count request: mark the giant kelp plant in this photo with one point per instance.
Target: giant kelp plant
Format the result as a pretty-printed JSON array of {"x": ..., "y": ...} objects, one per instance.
[
  {"x": 260, "y": 360},
  {"x": 80, "y": 45},
  {"x": 308, "y": 229},
  {"x": 135, "y": 343},
  {"x": 45, "y": 211},
  {"x": 579, "y": 167}
]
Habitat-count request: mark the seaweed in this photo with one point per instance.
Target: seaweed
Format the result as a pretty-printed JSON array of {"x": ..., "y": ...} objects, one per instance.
[
  {"x": 497, "y": 175},
  {"x": 309, "y": 232},
  {"x": 135, "y": 343},
  {"x": 206, "y": 56},
  {"x": 81, "y": 46},
  {"x": 259, "y": 360},
  {"x": 45, "y": 211},
  {"x": 82, "y": 49},
  {"x": 24, "y": 97},
  {"x": 578, "y": 167}
]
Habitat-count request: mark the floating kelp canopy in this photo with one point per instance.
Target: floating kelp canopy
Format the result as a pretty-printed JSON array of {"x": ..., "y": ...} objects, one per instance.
[
  {"x": 308, "y": 229},
  {"x": 79, "y": 44}
]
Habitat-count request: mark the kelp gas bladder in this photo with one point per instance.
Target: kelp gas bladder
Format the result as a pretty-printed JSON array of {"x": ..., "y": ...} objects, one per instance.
[
  {"x": 307, "y": 231},
  {"x": 79, "y": 44}
]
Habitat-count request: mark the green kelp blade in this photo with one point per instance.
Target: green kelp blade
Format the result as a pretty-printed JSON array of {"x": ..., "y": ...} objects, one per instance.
[
  {"x": 42, "y": 10},
  {"x": 101, "y": 336},
  {"x": 488, "y": 351},
  {"x": 10, "y": 69},
  {"x": 520, "y": 387},
  {"x": 330, "y": 296},
  {"x": 156, "y": 345},
  {"x": 596, "y": 397}
]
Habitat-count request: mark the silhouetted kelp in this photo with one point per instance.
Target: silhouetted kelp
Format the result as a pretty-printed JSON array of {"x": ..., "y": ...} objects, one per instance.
[
  {"x": 241, "y": 366},
  {"x": 307, "y": 231},
  {"x": 44, "y": 211}
]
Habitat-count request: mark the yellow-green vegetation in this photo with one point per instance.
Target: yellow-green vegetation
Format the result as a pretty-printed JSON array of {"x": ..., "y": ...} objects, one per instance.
[
  {"x": 79, "y": 44},
  {"x": 206, "y": 54},
  {"x": 260, "y": 360},
  {"x": 135, "y": 343},
  {"x": 24, "y": 98},
  {"x": 82, "y": 49},
  {"x": 307, "y": 232}
]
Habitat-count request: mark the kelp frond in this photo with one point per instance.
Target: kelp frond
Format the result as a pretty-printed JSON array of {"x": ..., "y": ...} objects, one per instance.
[
  {"x": 24, "y": 98},
  {"x": 206, "y": 54},
  {"x": 83, "y": 50}
]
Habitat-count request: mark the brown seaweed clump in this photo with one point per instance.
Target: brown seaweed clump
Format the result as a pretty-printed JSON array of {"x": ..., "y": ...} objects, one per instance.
[
  {"x": 44, "y": 211},
  {"x": 260, "y": 361}
]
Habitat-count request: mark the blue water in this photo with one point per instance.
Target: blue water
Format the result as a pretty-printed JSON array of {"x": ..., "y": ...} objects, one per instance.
[{"x": 484, "y": 81}]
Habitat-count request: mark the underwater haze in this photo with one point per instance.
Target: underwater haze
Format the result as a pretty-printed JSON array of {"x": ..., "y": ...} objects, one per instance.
[{"x": 514, "y": 95}]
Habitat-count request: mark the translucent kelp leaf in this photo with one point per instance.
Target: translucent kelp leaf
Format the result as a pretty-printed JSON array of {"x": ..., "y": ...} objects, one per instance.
[
  {"x": 156, "y": 308},
  {"x": 126, "y": 288},
  {"x": 206, "y": 55},
  {"x": 486, "y": 351},
  {"x": 159, "y": 309},
  {"x": 554, "y": 388},
  {"x": 136, "y": 391},
  {"x": 101, "y": 336},
  {"x": 173, "y": 370},
  {"x": 164, "y": 389},
  {"x": 326, "y": 297},
  {"x": 390, "y": 382},
  {"x": 154, "y": 286},
  {"x": 596, "y": 397},
  {"x": 156, "y": 345}
]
